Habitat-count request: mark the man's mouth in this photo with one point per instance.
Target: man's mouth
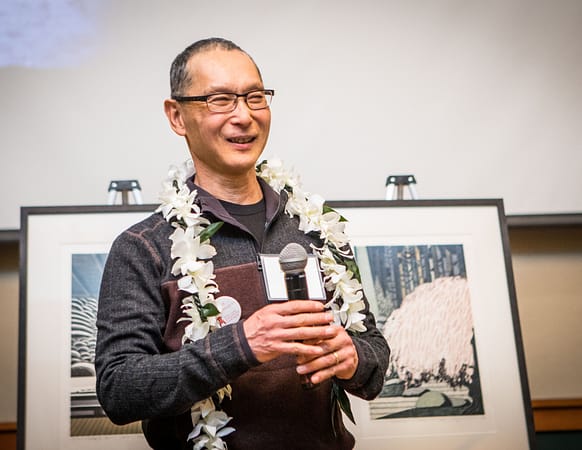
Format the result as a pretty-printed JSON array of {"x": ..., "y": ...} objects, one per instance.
[{"x": 241, "y": 139}]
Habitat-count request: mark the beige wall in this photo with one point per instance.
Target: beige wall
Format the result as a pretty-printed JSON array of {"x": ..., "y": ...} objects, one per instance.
[
  {"x": 8, "y": 331},
  {"x": 549, "y": 296},
  {"x": 548, "y": 277}
]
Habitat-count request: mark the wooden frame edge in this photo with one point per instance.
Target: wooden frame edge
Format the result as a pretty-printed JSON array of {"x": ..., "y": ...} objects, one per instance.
[
  {"x": 7, "y": 427},
  {"x": 557, "y": 414}
]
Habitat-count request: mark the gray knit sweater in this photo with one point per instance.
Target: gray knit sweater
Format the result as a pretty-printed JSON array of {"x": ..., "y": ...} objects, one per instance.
[{"x": 144, "y": 373}]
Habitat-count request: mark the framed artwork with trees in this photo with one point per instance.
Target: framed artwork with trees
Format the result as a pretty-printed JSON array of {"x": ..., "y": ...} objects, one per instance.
[{"x": 438, "y": 276}]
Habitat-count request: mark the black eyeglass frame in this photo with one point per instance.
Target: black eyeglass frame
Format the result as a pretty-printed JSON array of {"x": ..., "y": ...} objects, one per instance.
[{"x": 204, "y": 98}]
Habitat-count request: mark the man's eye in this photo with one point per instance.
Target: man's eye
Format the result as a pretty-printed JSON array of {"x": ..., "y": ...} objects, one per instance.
[
  {"x": 220, "y": 100},
  {"x": 256, "y": 97}
]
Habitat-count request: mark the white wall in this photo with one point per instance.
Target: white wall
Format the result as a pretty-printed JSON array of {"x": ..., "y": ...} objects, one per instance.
[{"x": 477, "y": 99}]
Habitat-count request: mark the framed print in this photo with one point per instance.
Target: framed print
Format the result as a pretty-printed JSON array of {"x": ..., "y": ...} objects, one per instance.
[
  {"x": 62, "y": 254},
  {"x": 439, "y": 280}
]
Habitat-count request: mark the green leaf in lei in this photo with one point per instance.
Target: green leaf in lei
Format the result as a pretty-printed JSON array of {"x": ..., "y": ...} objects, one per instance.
[
  {"x": 210, "y": 231},
  {"x": 339, "y": 397}
]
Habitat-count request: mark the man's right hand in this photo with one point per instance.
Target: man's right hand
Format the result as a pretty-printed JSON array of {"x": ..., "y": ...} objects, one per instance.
[{"x": 280, "y": 328}]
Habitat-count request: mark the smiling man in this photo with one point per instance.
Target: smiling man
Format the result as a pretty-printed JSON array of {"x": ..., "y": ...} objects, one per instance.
[
  {"x": 187, "y": 340},
  {"x": 226, "y": 131}
]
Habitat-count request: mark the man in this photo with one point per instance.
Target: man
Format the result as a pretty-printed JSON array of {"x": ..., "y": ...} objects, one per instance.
[{"x": 144, "y": 372}]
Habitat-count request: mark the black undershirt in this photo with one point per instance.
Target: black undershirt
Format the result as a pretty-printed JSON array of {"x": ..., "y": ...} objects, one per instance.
[{"x": 251, "y": 216}]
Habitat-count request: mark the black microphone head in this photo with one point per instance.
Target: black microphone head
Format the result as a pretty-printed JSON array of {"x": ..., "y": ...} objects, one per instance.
[{"x": 293, "y": 258}]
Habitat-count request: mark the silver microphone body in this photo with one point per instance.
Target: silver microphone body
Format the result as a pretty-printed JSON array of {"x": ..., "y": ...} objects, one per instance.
[{"x": 293, "y": 259}]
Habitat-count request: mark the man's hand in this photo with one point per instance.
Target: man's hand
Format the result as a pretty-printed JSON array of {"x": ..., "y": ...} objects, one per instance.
[
  {"x": 340, "y": 358},
  {"x": 288, "y": 328}
]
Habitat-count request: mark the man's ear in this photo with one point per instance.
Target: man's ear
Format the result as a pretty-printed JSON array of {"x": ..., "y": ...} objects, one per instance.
[{"x": 174, "y": 115}]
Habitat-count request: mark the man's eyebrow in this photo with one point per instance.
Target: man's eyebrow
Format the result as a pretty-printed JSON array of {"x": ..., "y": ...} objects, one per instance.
[{"x": 219, "y": 89}]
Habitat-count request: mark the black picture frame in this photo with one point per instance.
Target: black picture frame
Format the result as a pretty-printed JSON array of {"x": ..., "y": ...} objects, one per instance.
[
  {"x": 49, "y": 236},
  {"x": 480, "y": 227},
  {"x": 48, "y": 233}
]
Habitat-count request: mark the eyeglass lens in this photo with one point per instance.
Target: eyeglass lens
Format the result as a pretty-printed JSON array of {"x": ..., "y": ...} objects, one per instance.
[{"x": 227, "y": 102}]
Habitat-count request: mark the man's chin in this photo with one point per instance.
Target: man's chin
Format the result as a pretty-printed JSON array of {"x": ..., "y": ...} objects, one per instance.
[{"x": 244, "y": 161}]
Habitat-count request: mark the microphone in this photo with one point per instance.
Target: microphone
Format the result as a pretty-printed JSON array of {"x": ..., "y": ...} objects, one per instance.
[{"x": 293, "y": 259}]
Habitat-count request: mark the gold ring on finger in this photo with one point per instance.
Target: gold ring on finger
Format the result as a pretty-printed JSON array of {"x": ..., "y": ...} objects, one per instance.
[{"x": 336, "y": 358}]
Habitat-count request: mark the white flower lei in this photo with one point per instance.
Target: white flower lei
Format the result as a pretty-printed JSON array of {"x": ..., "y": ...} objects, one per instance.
[{"x": 192, "y": 255}]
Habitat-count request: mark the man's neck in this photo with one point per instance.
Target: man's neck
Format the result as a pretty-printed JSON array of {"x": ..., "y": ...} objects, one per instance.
[{"x": 242, "y": 190}]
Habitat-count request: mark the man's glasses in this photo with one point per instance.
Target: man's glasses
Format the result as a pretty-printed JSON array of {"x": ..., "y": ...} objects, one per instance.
[{"x": 225, "y": 102}]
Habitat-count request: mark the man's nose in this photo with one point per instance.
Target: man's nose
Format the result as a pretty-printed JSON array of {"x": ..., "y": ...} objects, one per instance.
[{"x": 242, "y": 111}]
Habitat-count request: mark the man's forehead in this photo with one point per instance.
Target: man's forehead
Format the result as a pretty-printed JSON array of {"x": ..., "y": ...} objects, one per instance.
[
  {"x": 220, "y": 59},
  {"x": 220, "y": 70}
]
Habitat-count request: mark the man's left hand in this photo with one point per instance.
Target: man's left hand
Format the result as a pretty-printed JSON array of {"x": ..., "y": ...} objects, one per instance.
[{"x": 340, "y": 359}]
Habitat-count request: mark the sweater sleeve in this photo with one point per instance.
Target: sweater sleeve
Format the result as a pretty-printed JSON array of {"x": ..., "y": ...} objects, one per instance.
[
  {"x": 136, "y": 377},
  {"x": 373, "y": 358},
  {"x": 373, "y": 355}
]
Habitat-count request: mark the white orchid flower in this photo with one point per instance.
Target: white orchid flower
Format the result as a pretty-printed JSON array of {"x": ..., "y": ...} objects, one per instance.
[
  {"x": 332, "y": 229},
  {"x": 198, "y": 328},
  {"x": 213, "y": 424},
  {"x": 201, "y": 272},
  {"x": 226, "y": 391},
  {"x": 196, "y": 331},
  {"x": 182, "y": 172},
  {"x": 205, "y": 407},
  {"x": 349, "y": 288},
  {"x": 333, "y": 273},
  {"x": 277, "y": 176},
  {"x": 187, "y": 250},
  {"x": 176, "y": 198},
  {"x": 348, "y": 316},
  {"x": 206, "y": 293},
  {"x": 179, "y": 203},
  {"x": 356, "y": 322}
]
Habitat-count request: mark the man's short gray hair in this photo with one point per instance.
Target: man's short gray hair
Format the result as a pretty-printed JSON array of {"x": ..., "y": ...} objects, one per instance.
[{"x": 180, "y": 78}]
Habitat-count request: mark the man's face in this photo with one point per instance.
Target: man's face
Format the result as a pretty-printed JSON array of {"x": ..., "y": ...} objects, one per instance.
[{"x": 224, "y": 144}]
